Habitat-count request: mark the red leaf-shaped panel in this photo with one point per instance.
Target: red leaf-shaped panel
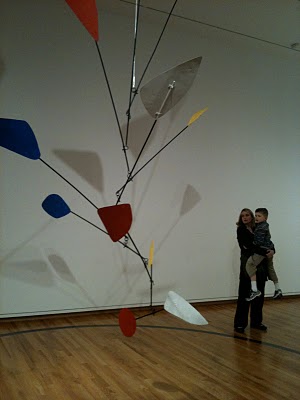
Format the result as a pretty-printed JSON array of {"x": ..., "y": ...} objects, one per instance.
[
  {"x": 127, "y": 322},
  {"x": 86, "y": 12},
  {"x": 116, "y": 219}
]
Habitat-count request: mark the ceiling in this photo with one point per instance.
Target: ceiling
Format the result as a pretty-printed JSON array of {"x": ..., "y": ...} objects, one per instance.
[{"x": 276, "y": 22}]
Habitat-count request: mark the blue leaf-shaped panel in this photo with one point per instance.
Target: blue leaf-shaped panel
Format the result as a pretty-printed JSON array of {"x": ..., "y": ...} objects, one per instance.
[
  {"x": 17, "y": 136},
  {"x": 55, "y": 206}
]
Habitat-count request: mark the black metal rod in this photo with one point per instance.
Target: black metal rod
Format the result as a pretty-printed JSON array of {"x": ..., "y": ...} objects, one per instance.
[
  {"x": 141, "y": 257},
  {"x": 102, "y": 230},
  {"x": 151, "y": 284},
  {"x": 136, "y": 161},
  {"x": 85, "y": 220},
  {"x": 49, "y": 166},
  {"x": 132, "y": 80},
  {"x": 150, "y": 59},
  {"x": 152, "y": 313},
  {"x": 156, "y": 154},
  {"x": 113, "y": 104}
]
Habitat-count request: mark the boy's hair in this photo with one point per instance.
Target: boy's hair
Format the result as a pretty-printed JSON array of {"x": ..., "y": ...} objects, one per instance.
[{"x": 262, "y": 211}]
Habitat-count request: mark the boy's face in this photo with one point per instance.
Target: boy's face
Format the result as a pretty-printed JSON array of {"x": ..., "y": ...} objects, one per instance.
[{"x": 259, "y": 217}]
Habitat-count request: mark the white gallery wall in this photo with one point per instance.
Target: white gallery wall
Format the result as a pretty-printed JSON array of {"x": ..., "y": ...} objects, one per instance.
[{"x": 243, "y": 152}]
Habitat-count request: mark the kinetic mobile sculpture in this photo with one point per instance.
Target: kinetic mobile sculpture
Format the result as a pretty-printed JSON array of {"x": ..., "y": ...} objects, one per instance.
[{"x": 158, "y": 96}]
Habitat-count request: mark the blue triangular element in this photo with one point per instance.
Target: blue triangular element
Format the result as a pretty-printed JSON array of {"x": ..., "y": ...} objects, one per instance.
[
  {"x": 17, "y": 136},
  {"x": 55, "y": 206}
]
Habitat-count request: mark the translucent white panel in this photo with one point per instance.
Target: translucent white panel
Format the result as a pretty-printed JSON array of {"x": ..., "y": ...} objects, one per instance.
[
  {"x": 179, "y": 307},
  {"x": 163, "y": 92}
]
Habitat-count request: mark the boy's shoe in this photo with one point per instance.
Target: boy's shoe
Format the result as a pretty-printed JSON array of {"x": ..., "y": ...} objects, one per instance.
[
  {"x": 239, "y": 329},
  {"x": 260, "y": 327},
  {"x": 277, "y": 294},
  {"x": 253, "y": 295}
]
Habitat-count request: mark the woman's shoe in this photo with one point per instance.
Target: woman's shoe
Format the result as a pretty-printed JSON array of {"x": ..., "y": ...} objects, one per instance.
[{"x": 260, "y": 327}]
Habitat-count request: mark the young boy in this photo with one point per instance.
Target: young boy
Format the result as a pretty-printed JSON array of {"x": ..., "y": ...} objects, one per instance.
[{"x": 263, "y": 243}]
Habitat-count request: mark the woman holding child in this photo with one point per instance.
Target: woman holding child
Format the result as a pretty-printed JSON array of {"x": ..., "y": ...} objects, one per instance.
[{"x": 246, "y": 226}]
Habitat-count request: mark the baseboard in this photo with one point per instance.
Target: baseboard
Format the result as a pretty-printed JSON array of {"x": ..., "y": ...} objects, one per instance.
[{"x": 133, "y": 309}]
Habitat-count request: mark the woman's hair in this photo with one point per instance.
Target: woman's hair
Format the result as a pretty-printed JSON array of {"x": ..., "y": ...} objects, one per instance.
[{"x": 240, "y": 222}]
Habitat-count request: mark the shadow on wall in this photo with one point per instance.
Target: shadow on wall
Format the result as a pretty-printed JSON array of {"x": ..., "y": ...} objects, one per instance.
[
  {"x": 86, "y": 164},
  {"x": 45, "y": 270},
  {"x": 60, "y": 268},
  {"x": 128, "y": 278},
  {"x": 156, "y": 154},
  {"x": 63, "y": 273},
  {"x": 159, "y": 291},
  {"x": 139, "y": 129},
  {"x": 25, "y": 242},
  {"x": 190, "y": 199},
  {"x": 35, "y": 272}
]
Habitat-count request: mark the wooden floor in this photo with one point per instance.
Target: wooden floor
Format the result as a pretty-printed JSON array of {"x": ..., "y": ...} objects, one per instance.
[{"x": 86, "y": 357}]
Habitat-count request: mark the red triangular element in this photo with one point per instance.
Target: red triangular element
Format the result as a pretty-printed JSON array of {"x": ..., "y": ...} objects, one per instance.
[
  {"x": 116, "y": 219},
  {"x": 127, "y": 322},
  {"x": 86, "y": 11}
]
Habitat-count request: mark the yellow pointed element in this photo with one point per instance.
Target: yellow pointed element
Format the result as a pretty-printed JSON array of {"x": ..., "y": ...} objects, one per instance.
[
  {"x": 197, "y": 115},
  {"x": 151, "y": 254}
]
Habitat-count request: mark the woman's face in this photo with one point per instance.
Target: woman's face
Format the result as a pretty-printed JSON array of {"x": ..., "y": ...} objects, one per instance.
[{"x": 246, "y": 217}]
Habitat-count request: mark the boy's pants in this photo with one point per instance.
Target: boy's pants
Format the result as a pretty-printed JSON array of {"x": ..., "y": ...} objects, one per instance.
[{"x": 255, "y": 260}]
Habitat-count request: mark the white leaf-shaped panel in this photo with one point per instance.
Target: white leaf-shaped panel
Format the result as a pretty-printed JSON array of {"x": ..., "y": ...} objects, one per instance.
[{"x": 179, "y": 307}]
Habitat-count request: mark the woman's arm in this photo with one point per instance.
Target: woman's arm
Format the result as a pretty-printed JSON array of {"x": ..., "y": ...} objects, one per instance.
[
  {"x": 245, "y": 240},
  {"x": 270, "y": 253}
]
